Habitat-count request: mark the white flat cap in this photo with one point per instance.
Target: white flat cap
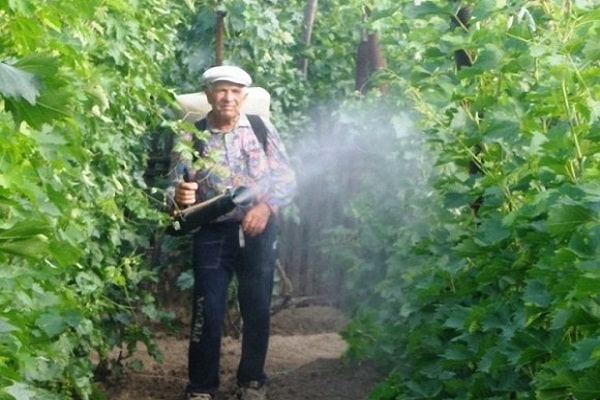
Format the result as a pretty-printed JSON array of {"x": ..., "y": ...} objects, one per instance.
[{"x": 226, "y": 73}]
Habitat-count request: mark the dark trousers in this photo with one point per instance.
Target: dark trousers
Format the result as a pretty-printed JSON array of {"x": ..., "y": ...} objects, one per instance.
[{"x": 216, "y": 257}]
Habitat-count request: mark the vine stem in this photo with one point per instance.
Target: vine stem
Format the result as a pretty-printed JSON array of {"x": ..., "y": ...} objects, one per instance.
[
  {"x": 425, "y": 109},
  {"x": 571, "y": 118}
]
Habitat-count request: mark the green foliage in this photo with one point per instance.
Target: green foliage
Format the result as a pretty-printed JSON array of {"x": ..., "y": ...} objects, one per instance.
[
  {"x": 499, "y": 304},
  {"x": 79, "y": 85},
  {"x": 502, "y": 303}
]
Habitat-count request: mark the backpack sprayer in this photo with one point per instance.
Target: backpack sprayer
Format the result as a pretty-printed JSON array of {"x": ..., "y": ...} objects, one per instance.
[{"x": 194, "y": 106}]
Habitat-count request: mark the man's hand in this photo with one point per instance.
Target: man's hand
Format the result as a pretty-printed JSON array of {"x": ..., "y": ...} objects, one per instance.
[
  {"x": 185, "y": 193},
  {"x": 256, "y": 219}
]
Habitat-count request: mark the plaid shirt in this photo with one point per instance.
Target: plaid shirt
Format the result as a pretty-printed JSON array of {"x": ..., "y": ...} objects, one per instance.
[{"x": 237, "y": 158}]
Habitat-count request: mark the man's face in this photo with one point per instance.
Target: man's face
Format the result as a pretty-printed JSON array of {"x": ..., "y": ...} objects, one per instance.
[{"x": 226, "y": 99}]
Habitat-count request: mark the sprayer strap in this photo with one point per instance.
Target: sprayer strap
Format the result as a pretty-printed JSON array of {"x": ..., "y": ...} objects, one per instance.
[{"x": 256, "y": 123}]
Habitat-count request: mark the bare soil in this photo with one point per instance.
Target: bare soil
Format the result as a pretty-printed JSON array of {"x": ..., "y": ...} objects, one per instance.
[{"x": 305, "y": 361}]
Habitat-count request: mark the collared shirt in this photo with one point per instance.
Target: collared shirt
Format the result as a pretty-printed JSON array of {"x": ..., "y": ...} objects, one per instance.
[{"x": 237, "y": 158}]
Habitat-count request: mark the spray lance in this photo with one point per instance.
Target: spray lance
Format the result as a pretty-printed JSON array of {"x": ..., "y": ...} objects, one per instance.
[{"x": 189, "y": 219}]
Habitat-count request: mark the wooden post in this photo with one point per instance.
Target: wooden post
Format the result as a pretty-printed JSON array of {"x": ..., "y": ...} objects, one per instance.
[
  {"x": 310, "y": 12},
  {"x": 369, "y": 58},
  {"x": 219, "y": 46}
]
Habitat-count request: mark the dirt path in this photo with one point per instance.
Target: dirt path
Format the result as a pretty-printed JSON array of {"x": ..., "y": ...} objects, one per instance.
[{"x": 304, "y": 362}]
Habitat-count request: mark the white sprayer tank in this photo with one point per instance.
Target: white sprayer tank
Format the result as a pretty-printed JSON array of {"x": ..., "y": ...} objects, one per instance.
[{"x": 194, "y": 106}]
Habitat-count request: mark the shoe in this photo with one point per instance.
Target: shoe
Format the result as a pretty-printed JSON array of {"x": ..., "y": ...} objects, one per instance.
[
  {"x": 199, "y": 396},
  {"x": 253, "y": 391}
]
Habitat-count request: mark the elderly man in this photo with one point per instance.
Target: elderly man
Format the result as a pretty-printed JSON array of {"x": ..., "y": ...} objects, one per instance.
[{"x": 241, "y": 243}]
